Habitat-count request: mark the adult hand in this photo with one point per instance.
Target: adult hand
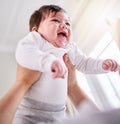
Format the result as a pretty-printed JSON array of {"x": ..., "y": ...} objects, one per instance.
[{"x": 71, "y": 71}]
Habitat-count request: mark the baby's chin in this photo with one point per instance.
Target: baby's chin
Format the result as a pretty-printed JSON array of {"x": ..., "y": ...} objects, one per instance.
[{"x": 62, "y": 45}]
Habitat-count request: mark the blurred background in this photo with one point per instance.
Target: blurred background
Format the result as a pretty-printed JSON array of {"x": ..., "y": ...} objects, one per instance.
[{"x": 95, "y": 30}]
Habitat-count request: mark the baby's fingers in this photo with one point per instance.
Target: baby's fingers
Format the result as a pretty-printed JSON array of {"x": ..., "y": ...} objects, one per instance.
[
  {"x": 114, "y": 66},
  {"x": 54, "y": 73},
  {"x": 110, "y": 65},
  {"x": 58, "y": 70},
  {"x": 118, "y": 68}
]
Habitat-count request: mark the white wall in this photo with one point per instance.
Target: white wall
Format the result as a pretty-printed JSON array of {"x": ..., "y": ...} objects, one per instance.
[{"x": 7, "y": 71}]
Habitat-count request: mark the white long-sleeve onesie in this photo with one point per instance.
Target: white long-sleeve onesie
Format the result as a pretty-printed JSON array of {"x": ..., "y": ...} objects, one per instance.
[{"x": 36, "y": 53}]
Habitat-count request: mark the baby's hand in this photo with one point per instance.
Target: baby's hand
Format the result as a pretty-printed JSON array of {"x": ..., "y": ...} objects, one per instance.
[
  {"x": 110, "y": 64},
  {"x": 58, "y": 70}
]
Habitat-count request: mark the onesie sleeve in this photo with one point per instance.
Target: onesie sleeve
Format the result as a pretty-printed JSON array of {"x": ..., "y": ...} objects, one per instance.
[
  {"x": 85, "y": 64},
  {"x": 30, "y": 56}
]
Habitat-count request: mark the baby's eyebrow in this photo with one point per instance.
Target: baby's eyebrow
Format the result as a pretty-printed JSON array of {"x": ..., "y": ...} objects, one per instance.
[{"x": 67, "y": 20}]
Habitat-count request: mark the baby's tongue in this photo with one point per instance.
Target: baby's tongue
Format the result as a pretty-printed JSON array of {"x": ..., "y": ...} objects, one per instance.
[{"x": 62, "y": 37}]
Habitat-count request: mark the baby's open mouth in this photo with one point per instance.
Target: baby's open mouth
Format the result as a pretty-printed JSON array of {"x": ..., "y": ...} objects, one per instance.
[{"x": 62, "y": 34}]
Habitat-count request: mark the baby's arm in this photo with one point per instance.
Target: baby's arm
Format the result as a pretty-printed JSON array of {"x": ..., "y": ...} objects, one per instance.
[
  {"x": 90, "y": 65},
  {"x": 28, "y": 55}
]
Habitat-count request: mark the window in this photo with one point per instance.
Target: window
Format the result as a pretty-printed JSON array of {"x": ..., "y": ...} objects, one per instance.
[{"x": 104, "y": 89}]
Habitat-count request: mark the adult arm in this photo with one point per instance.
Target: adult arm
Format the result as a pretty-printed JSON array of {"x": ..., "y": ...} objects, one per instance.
[
  {"x": 10, "y": 101},
  {"x": 75, "y": 93},
  {"x": 89, "y": 114}
]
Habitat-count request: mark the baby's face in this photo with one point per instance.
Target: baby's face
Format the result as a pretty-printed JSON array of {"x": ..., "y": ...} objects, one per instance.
[{"x": 56, "y": 29}]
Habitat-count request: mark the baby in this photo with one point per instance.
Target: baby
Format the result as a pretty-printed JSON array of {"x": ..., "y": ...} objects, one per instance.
[{"x": 43, "y": 49}]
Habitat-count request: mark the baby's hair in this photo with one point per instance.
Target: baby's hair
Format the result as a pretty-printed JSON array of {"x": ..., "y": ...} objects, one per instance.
[{"x": 41, "y": 14}]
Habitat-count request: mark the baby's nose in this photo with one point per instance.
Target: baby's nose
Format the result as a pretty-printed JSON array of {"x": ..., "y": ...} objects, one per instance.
[{"x": 62, "y": 25}]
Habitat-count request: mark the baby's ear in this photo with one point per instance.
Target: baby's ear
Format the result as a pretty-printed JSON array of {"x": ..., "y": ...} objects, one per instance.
[{"x": 34, "y": 28}]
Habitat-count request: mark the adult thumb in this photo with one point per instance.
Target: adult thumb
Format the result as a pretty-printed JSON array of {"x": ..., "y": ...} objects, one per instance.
[{"x": 67, "y": 61}]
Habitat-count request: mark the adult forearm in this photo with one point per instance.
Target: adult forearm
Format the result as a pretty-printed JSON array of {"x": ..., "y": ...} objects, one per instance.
[
  {"x": 76, "y": 95},
  {"x": 9, "y": 103}
]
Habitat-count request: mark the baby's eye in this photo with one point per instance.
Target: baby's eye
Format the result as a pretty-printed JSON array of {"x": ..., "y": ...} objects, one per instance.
[
  {"x": 55, "y": 20},
  {"x": 67, "y": 23}
]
